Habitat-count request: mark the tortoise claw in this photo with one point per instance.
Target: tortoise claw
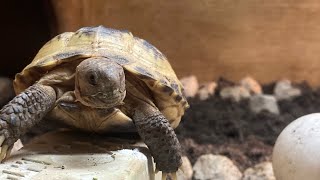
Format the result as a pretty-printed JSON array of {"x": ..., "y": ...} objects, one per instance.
[
  {"x": 156, "y": 171},
  {"x": 3, "y": 153},
  {"x": 172, "y": 175},
  {"x": 164, "y": 176},
  {"x": 2, "y": 138},
  {"x": 5, "y": 149}
]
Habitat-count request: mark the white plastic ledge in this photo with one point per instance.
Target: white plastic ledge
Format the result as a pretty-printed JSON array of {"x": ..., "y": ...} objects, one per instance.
[{"x": 69, "y": 156}]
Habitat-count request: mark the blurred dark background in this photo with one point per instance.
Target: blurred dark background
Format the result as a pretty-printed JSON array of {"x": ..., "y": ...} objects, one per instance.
[
  {"x": 268, "y": 39},
  {"x": 24, "y": 29}
]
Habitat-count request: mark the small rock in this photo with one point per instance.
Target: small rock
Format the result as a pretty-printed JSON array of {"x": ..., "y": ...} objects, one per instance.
[
  {"x": 215, "y": 167},
  {"x": 251, "y": 85},
  {"x": 236, "y": 93},
  {"x": 6, "y": 90},
  {"x": 223, "y": 82},
  {"x": 190, "y": 85},
  {"x": 262, "y": 171},
  {"x": 207, "y": 90},
  {"x": 284, "y": 90},
  {"x": 259, "y": 103},
  {"x": 186, "y": 170}
]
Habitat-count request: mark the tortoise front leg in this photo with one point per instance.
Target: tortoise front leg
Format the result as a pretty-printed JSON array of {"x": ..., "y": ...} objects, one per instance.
[
  {"x": 160, "y": 138},
  {"x": 22, "y": 113}
]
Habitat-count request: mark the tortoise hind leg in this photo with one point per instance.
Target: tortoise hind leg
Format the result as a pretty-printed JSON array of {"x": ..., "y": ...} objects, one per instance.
[{"x": 22, "y": 113}]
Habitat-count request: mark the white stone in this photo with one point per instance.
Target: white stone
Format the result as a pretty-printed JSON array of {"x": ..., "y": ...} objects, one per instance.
[
  {"x": 296, "y": 154},
  {"x": 261, "y": 171},
  {"x": 235, "y": 93},
  {"x": 206, "y": 90},
  {"x": 258, "y": 103},
  {"x": 251, "y": 85},
  {"x": 69, "y": 155},
  {"x": 186, "y": 171},
  {"x": 215, "y": 167},
  {"x": 190, "y": 85},
  {"x": 284, "y": 90}
]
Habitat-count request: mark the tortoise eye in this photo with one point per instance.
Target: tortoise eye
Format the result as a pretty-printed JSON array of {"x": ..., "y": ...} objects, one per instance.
[{"x": 93, "y": 79}]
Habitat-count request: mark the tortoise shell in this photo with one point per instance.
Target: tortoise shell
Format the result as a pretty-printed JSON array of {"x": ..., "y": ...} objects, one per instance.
[{"x": 135, "y": 55}]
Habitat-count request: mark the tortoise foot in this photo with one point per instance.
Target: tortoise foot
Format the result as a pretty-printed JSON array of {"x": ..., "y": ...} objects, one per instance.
[{"x": 6, "y": 144}]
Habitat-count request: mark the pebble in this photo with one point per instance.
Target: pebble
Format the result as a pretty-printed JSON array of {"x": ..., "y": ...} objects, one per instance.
[
  {"x": 251, "y": 85},
  {"x": 207, "y": 90},
  {"x": 268, "y": 103},
  {"x": 261, "y": 171},
  {"x": 191, "y": 86},
  {"x": 284, "y": 90},
  {"x": 235, "y": 93},
  {"x": 215, "y": 167}
]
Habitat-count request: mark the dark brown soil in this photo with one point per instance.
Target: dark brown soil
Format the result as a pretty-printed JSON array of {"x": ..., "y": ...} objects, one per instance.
[{"x": 225, "y": 127}]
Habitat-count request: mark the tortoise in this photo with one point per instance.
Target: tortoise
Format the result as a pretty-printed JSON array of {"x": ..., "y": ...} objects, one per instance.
[{"x": 100, "y": 80}]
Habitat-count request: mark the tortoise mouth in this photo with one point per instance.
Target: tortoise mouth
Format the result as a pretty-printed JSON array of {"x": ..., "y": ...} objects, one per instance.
[{"x": 101, "y": 100}]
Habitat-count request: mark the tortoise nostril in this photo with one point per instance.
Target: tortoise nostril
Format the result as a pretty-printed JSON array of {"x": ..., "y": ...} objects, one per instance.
[{"x": 93, "y": 79}]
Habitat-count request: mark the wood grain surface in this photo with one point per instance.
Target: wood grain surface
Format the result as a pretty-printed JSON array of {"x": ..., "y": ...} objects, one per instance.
[{"x": 268, "y": 39}]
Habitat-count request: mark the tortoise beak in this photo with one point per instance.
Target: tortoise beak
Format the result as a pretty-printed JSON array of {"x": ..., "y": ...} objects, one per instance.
[{"x": 100, "y": 100}]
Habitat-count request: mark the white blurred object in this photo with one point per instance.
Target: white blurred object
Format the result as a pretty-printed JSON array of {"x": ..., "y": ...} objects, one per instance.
[
  {"x": 261, "y": 171},
  {"x": 296, "y": 154},
  {"x": 236, "y": 93},
  {"x": 284, "y": 90},
  {"x": 262, "y": 102},
  {"x": 217, "y": 167},
  {"x": 191, "y": 85}
]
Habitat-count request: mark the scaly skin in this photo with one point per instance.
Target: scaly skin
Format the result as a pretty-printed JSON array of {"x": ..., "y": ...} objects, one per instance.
[
  {"x": 160, "y": 138},
  {"x": 22, "y": 113}
]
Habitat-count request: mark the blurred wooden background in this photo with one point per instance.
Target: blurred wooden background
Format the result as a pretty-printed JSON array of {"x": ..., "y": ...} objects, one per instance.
[{"x": 268, "y": 39}]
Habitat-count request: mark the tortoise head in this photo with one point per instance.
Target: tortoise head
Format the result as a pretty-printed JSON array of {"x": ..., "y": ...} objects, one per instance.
[{"x": 100, "y": 83}]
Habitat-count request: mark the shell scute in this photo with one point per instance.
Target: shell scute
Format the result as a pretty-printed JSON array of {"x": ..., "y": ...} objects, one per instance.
[{"x": 157, "y": 54}]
